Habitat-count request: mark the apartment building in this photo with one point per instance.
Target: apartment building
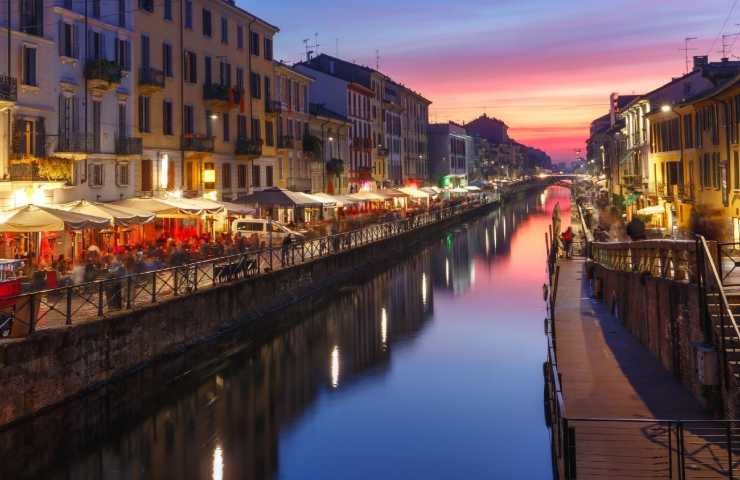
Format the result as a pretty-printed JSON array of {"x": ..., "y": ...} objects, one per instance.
[
  {"x": 392, "y": 134},
  {"x": 203, "y": 119},
  {"x": 333, "y": 132},
  {"x": 416, "y": 164},
  {"x": 67, "y": 98},
  {"x": 448, "y": 151},
  {"x": 297, "y": 149}
]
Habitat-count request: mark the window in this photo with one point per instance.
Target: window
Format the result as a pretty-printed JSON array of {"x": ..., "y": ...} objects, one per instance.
[
  {"x": 146, "y": 5},
  {"x": 255, "y": 85},
  {"x": 190, "y": 67},
  {"x": 145, "y": 53},
  {"x": 144, "y": 108},
  {"x": 255, "y": 43},
  {"x": 268, "y": 48},
  {"x": 167, "y": 117},
  {"x": 736, "y": 170},
  {"x": 206, "y": 167},
  {"x": 147, "y": 175},
  {"x": 32, "y": 17},
  {"x": 255, "y": 175},
  {"x": 224, "y": 31},
  {"x": 29, "y": 66},
  {"x": 123, "y": 174},
  {"x": 207, "y": 69},
  {"x": 209, "y": 124},
  {"x": 241, "y": 176},
  {"x": 241, "y": 126},
  {"x": 225, "y": 121},
  {"x": 95, "y": 177},
  {"x": 269, "y": 134},
  {"x": 96, "y": 8},
  {"x": 122, "y": 127},
  {"x": 240, "y": 79},
  {"x": 96, "y": 124},
  {"x": 167, "y": 60},
  {"x": 122, "y": 13},
  {"x": 269, "y": 176},
  {"x": 123, "y": 54},
  {"x": 168, "y": 9},
  {"x": 268, "y": 89},
  {"x": 207, "y": 30},
  {"x": 239, "y": 37},
  {"x": 224, "y": 71},
  {"x": 256, "y": 130},
  {"x": 226, "y": 176},
  {"x": 189, "y": 14},
  {"x": 69, "y": 40},
  {"x": 188, "y": 120}
]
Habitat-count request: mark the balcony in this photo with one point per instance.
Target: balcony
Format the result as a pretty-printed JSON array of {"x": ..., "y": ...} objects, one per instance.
[
  {"x": 274, "y": 107},
  {"x": 77, "y": 143},
  {"x": 151, "y": 80},
  {"x": 8, "y": 91},
  {"x": 383, "y": 151},
  {"x": 103, "y": 75},
  {"x": 46, "y": 170},
  {"x": 312, "y": 146},
  {"x": 249, "y": 148},
  {"x": 299, "y": 184},
  {"x": 197, "y": 143},
  {"x": 286, "y": 142},
  {"x": 129, "y": 146},
  {"x": 221, "y": 98}
]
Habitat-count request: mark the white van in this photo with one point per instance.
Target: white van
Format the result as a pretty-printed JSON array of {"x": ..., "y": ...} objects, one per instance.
[{"x": 249, "y": 226}]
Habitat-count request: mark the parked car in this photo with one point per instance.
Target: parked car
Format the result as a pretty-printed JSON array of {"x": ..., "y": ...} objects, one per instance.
[{"x": 260, "y": 226}]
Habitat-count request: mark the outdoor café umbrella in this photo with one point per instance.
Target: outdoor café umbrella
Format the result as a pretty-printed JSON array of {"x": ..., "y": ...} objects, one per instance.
[
  {"x": 117, "y": 215},
  {"x": 34, "y": 218},
  {"x": 414, "y": 192},
  {"x": 163, "y": 207},
  {"x": 280, "y": 197}
]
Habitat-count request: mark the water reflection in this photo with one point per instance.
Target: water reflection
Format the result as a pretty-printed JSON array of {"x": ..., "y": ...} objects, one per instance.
[{"x": 434, "y": 366}]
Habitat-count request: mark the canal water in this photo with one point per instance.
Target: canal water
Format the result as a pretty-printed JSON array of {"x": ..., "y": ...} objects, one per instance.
[{"x": 430, "y": 370}]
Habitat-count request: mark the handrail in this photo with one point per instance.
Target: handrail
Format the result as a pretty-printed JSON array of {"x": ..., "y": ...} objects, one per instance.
[{"x": 718, "y": 281}]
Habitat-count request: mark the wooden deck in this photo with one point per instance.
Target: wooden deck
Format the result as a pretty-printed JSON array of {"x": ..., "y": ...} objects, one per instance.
[{"x": 607, "y": 373}]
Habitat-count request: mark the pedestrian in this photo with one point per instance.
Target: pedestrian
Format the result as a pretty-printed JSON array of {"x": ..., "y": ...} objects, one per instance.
[
  {"x": 567, "y": 237},
  {"x": 636, "y": 229},
  {"x": 285, "y": 250}
]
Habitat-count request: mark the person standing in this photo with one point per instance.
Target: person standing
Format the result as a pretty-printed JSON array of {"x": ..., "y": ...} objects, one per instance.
[{"x": 567, "y": 237}]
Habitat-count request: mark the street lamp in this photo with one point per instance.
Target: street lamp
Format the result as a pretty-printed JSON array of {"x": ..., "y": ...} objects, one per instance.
[{"x": 665, "y": 108}]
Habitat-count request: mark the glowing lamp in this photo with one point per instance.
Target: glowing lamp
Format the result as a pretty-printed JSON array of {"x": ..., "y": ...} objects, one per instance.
[
  {"x": 214, "y": 117},
  {"x": 665, "y": 108},
  {"x": 209, "y": 176}
]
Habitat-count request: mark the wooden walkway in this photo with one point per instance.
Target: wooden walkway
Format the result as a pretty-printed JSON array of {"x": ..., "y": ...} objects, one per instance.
[{"x": 607, "y": 373}]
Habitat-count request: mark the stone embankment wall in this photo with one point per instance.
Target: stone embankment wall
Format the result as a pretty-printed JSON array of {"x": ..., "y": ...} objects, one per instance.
[
  {"x": 53, "y": 365},
  {"x": 664, "y": 315}
]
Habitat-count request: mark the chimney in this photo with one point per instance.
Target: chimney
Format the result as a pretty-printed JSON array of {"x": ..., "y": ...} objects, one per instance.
[{"x": 700, "y": 61}]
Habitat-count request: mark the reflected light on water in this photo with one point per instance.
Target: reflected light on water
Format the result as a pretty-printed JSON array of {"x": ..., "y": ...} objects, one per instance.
[
  {"x": 488, "y": 244},
  {"x": 495, "y": 237},
  {"x": 472, "y": 274},
  {"x": 424, "y": 289},
  {"x": 218, "y": 463},
  {"x": 543, "y": 199},
  {"x": 383, "y": 326},
  {"x": 504, "y": 228},
  {"x": 335, "y": 367},
  {"x": 447, "y": 272}
]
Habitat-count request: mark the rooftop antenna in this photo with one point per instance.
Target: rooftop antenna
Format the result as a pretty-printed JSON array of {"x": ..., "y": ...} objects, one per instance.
[
  {"x": 726, "y": 47},
  {"x": 686, "y": 49},
  {"x": 311, "y": 48}
]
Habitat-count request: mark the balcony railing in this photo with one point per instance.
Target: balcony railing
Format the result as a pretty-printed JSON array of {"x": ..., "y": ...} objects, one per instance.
[
  {"x": 286, "y": 141},
  {"x": 44, "y": 170},
  {"x": 248, "y": 147},
  {"x": 8, "y": 89},
  {"x": 197, "y": 143},
  {"x": 77, "y": 142},
  {"x": 222, "y": 94},
  {"x": 274, "y": 106},
  {"x": 103, "y": 70},
  {"x": 383, "y": 151},
  {"x": 129, "y": 146},
  {"x": 151, "y": 77}
]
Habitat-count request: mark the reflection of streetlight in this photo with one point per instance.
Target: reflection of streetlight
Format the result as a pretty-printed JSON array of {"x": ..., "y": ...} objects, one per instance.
[
  {"x": 383, "y": 325},
  {"x": 218, "y": 463},
  {"x": 335, "y": 367}
]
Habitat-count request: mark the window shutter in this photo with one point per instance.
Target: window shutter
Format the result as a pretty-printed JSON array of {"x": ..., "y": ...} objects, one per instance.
[
  {"x": 17, "y": 135},
  {"x": 103, "y": 51},
  {"x": 127, "y": 54},
  {"x": 76, "y": 40},
  {"x": 40, "y": 137},
  {"x": 60, "y": 28}
]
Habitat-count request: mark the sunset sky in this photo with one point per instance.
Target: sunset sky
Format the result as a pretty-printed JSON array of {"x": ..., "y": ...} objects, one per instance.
[{"x": 546, "y": 67}]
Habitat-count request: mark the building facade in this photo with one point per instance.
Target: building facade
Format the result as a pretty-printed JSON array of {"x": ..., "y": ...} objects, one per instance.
[
  {"x": 333, "y": 132},
  {"x": 448, "y": 152}
]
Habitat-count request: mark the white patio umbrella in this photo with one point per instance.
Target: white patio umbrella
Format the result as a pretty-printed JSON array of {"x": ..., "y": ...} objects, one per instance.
[
  {"x": 34, "y": 218},
  {"x": 118, "y": 215}
]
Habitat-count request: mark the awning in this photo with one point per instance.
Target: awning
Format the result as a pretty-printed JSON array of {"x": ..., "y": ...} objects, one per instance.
[
  {"x": 325, "y": 200},
  {"x": 393, "y": 193},
  {"x": 169, "y": 207},
  {"x": 116, "y": 214},
  {"x": 458, "y": 190},
  {"x": 368, "y": 197},
  {"x": 433, "y": 191},
  {"x": 415, "y": 192},
  {"x": 33, "y": 218},
  {"x": 472, "y": 188},
  {"x": 238, "y": 209},
  {"x": 281, "y": 198},
  {"x": 654, "y": 210}
]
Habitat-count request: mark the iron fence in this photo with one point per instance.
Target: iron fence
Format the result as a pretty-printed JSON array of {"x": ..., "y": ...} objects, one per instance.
[{"x": 102, "y": 298}]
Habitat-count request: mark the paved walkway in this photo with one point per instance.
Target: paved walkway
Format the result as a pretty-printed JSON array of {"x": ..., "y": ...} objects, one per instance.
[{"x": 607, "y": 373}]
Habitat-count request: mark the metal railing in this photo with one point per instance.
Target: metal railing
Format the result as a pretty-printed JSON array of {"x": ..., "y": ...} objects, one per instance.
[
  {"x": 151, "y": 77},
  {"x": 102, "y": 298},
  {"x": 197, "y": 143},
  {"x": 77, "y": 142},
  {"x": 670, "y": 259},
  {"x": 129, "y": 146},
  {"x": 8, "y": 89},
  {"x": 248, "y": 147}
]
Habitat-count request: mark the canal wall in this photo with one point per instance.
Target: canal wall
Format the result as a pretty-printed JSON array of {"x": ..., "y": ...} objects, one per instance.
[
  {"x": 54, "y": 365},
  {"x": 664, "y": 315}
]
